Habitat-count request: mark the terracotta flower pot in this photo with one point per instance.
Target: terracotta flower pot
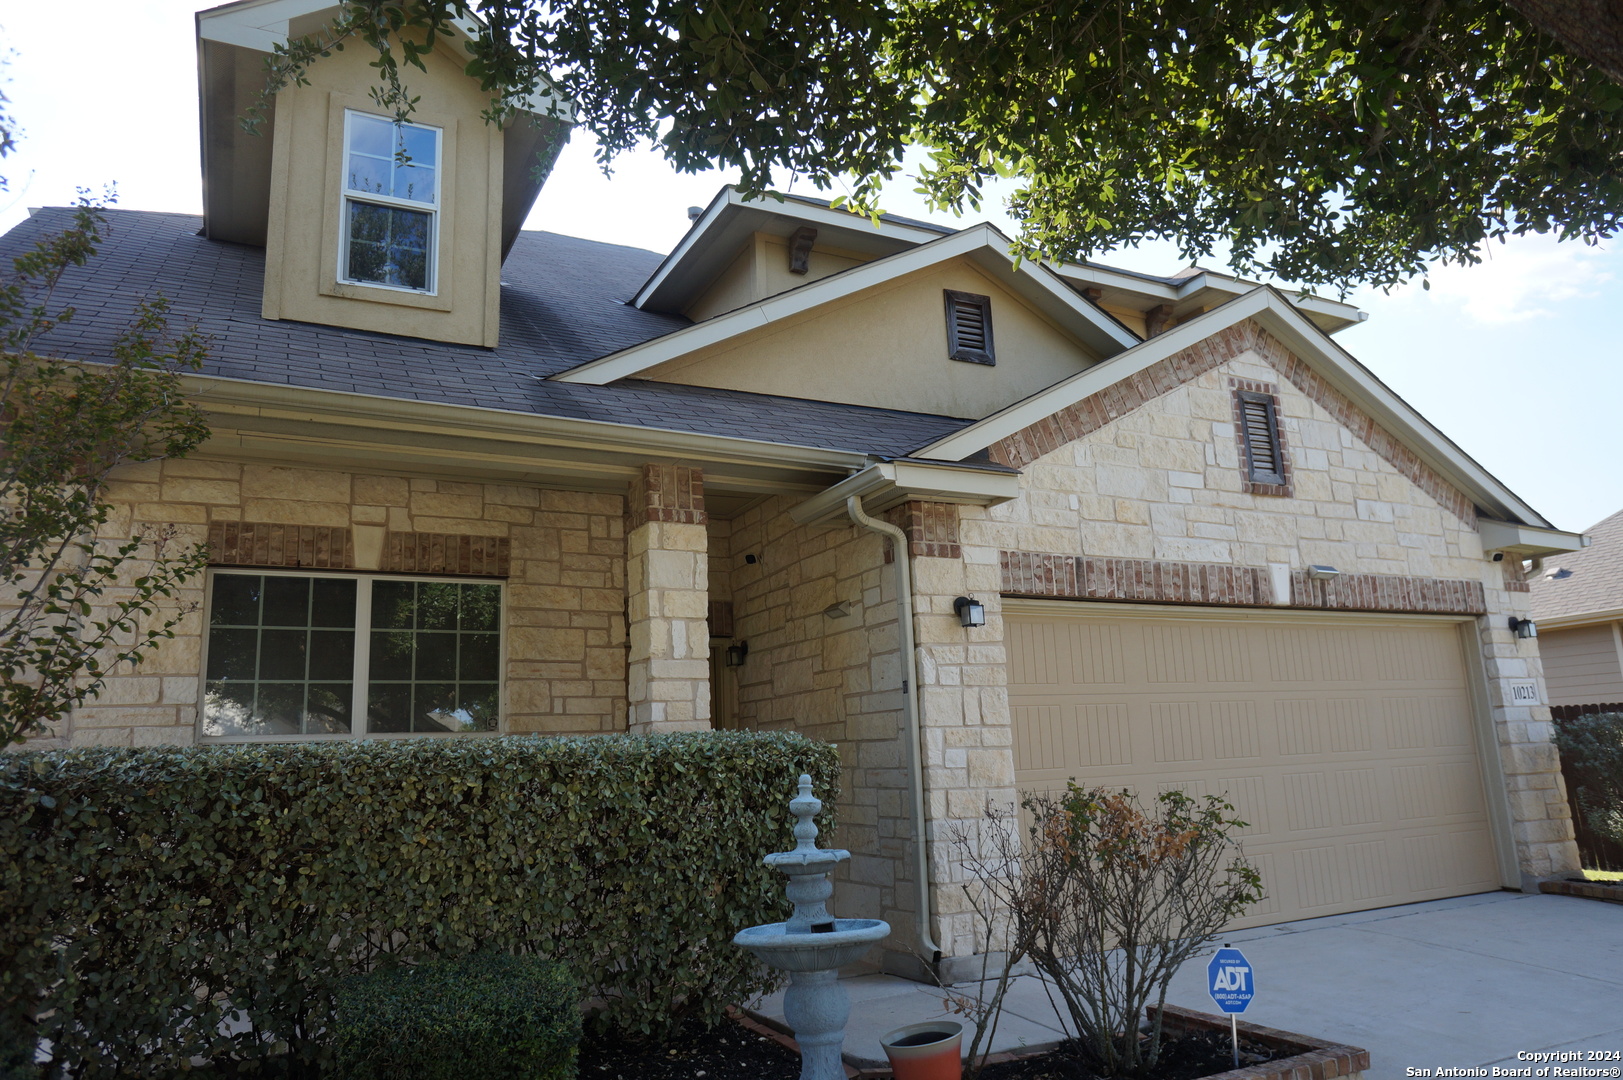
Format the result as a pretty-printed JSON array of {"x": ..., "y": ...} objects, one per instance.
[{"x": 926, "y": 1051}]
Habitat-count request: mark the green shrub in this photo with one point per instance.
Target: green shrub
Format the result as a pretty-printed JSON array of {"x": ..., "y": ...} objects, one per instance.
[
  {"x": 489, "y": 1014},
  {"x": 1592, "y": 747},
  {"x": 146, "y": 896}
]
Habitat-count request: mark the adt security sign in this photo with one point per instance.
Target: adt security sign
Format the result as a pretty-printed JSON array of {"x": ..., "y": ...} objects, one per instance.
[{"x": 1229, "y": 981}]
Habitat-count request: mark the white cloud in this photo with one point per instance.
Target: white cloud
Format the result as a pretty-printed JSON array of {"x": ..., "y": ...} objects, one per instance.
[{"x": 1521, "y": 279}]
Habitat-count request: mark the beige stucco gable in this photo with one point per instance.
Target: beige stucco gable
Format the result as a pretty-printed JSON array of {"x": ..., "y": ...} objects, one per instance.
[
  {"x": 303, "y": 240},
  {"x": 887, "y": 347}
]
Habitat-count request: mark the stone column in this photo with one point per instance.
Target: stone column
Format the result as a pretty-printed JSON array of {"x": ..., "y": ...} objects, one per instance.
[
  {"x": 667, "y": 600},
  {"x": 1540, "y": 816},
  {"x": 963, "y": 694}
]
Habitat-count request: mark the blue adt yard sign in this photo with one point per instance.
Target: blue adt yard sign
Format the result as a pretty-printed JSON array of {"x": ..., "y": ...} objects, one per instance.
[{"x": 1229, "y": 980}]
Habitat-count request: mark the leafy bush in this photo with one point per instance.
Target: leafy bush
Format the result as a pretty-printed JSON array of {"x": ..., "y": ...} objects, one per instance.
[
  {"x": 1592, "y": 747},
  {"x": 148, "y": 896},
  {"x": 1107, "y": 900},
  {"x": 488, "y": 1014}
]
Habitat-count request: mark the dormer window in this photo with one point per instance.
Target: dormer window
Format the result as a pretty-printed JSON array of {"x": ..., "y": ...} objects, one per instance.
[{"x": 391, "y": 203}]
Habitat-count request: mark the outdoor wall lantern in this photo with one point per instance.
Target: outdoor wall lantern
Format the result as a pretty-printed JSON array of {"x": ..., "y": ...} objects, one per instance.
[
  {"x": 971, "y": 612},
  {"x": 1322, "y": 573},
  {"x": 736, "y": 653},
  {"x": 1523, "y": 628},
  {"x": 838, "y": 611}
]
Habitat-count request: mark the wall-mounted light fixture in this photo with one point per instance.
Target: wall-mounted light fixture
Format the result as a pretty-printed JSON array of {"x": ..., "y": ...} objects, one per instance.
[
  {"x": 1523, "y": 628},
  {"x": 971, "y": 612},
  {"x": 736, "y": 653},
  {"x": 1322, "y": 573},
  {"x": 839, "y": 610}
]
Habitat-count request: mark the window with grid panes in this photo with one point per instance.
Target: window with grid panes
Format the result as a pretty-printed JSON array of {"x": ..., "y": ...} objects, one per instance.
[{"x": 293, "y": 655}]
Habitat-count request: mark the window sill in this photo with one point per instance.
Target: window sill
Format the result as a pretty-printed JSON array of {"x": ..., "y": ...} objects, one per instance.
[
  {"x": 243, "y": 740},
  {"x": 384, "y": 294}
]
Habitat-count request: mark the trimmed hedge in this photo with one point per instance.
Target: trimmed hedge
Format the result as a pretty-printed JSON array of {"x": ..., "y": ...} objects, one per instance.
[
  {"x": 488, "y": 1014},
  {"x": 147, "y": 896}
]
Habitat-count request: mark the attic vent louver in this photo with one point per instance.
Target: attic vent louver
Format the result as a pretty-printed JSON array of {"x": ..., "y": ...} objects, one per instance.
[
  {"x": 969, "y": 327},
  {"x": 1264, "y": 459}
]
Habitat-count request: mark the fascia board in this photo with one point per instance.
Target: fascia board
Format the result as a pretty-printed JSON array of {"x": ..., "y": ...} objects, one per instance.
[
  {"x": 639, "y": 358},
  {"x": 1229, "y": 286},
  {"x": 1022, "y": 414},
  {"x": 368, "y": 411},
  {"x": 693, "y": 239},
  {"x": 728, "y": 201},
  {"x": 883, "y": 485},
  {"x": 1281, "y": 318},
  {"x": 254, "y": 24},
  {"x": 1569, "y": 622},
  {"x": 1527, "y": 539}
]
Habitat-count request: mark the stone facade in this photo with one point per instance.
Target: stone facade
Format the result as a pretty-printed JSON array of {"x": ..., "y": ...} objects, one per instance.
[
  {"x": 667, "y": 601},
  {"x": 561, "y": 553},
  {"x": 1150, "y": 473}
]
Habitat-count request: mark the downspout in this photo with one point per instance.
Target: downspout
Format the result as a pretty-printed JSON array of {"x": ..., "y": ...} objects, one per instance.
[{"x": 910, "y": 698}]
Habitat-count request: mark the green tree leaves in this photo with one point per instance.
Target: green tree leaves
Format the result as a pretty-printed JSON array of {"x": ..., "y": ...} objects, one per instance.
[
  {"x": 1336, "y": 142},
  {"x": 83, "y": 597}
]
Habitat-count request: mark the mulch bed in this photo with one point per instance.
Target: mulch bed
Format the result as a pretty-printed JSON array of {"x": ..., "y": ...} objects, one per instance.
[
  {"x": 1192, "y": 1055},
  {"x": 731, "y": 1051},
  {"x": 728, "y": 1051}
]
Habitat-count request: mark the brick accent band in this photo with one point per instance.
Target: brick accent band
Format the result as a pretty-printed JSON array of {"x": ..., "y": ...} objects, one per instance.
[
  {"x": 672, "y": 493},
  {"x": 1087, "y": 577},
  {"x": 253, "y": 543},
  {"x": 1385, "y": 592},
  {"x": 1092, "y": 413},
  {"x": 447, "y": 553},
  {"x": 931, "y": 528}
]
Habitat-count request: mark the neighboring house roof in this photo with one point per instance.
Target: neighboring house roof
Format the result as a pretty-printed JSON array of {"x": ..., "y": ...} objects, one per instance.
[
  {"x": 1585, "y": 584},
  {"x": 563, "y": 303}
]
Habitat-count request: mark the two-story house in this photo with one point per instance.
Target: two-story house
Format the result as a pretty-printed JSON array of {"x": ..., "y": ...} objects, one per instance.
[{"x": 986, "y": 524}]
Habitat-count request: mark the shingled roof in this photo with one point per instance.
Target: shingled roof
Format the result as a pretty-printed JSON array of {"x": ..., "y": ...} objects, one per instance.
[
  {"x": 1586, "y": 581},
  {"x": 563, "y": 303}
]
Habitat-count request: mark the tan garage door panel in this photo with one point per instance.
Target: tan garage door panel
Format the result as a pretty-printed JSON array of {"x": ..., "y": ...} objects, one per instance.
[{"x": 1346, "y": 745}]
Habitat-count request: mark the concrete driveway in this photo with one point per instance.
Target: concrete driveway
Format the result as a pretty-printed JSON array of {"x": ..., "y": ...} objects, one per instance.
[{"x": 1463, "y": 983}]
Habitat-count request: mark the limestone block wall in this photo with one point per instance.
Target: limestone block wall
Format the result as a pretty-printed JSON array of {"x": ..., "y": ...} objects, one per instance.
[
  {"x": 1157, "y": 477},
  {"x": 565, "y": 629},
  {"x": 835, "y": 679}
]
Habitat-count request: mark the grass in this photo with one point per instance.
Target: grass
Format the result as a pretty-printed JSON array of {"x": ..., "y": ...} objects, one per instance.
[{"x": 1603, "y": 875}]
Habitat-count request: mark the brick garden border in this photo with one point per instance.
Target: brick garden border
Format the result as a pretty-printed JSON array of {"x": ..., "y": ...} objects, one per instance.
[
  {"x": 1610, "y": 892},
  {"x": 1315, "y": 1060}
]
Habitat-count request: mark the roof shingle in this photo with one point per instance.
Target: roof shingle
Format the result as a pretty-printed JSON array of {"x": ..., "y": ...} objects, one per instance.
[
  {"x": 1583, "y": 581},
  {"x": 563, "y": 303}
]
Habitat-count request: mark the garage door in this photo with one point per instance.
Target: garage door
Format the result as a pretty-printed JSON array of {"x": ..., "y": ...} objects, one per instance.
[{"x": 1345, "y": 742}]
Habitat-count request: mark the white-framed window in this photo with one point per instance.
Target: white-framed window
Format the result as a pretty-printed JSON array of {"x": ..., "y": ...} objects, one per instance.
[
  {"x": 298, "y": 655},
  {"x": 390, "y": 216}
]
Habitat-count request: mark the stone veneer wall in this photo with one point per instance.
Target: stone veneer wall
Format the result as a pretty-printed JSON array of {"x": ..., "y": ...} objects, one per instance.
[
  {"x": 563, "y": 553},
  {"x": 1154, "y": 474},
  {"x": 834, "y": 679}
]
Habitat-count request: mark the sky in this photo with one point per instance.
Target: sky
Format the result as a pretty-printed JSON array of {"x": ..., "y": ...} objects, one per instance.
[{"x": 1519, "y": 360}]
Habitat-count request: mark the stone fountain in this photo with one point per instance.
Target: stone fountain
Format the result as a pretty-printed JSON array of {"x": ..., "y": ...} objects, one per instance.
[{"x": 813, "y": 945}]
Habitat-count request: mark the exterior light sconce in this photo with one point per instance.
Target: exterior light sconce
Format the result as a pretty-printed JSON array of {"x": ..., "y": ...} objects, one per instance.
[
  {"x": 1523, "y": 628},
  {"x": 736, "y": 652},
  {"x": 838, "y": 611},
  {"x": 1323, "y": 573},
  {"x": 971, "y": 612}
]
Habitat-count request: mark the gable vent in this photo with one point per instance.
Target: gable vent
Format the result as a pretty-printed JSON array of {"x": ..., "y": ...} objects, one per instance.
[
  {"x": 1264, "y": 460},
  {"x": 969, "y": 327}
]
